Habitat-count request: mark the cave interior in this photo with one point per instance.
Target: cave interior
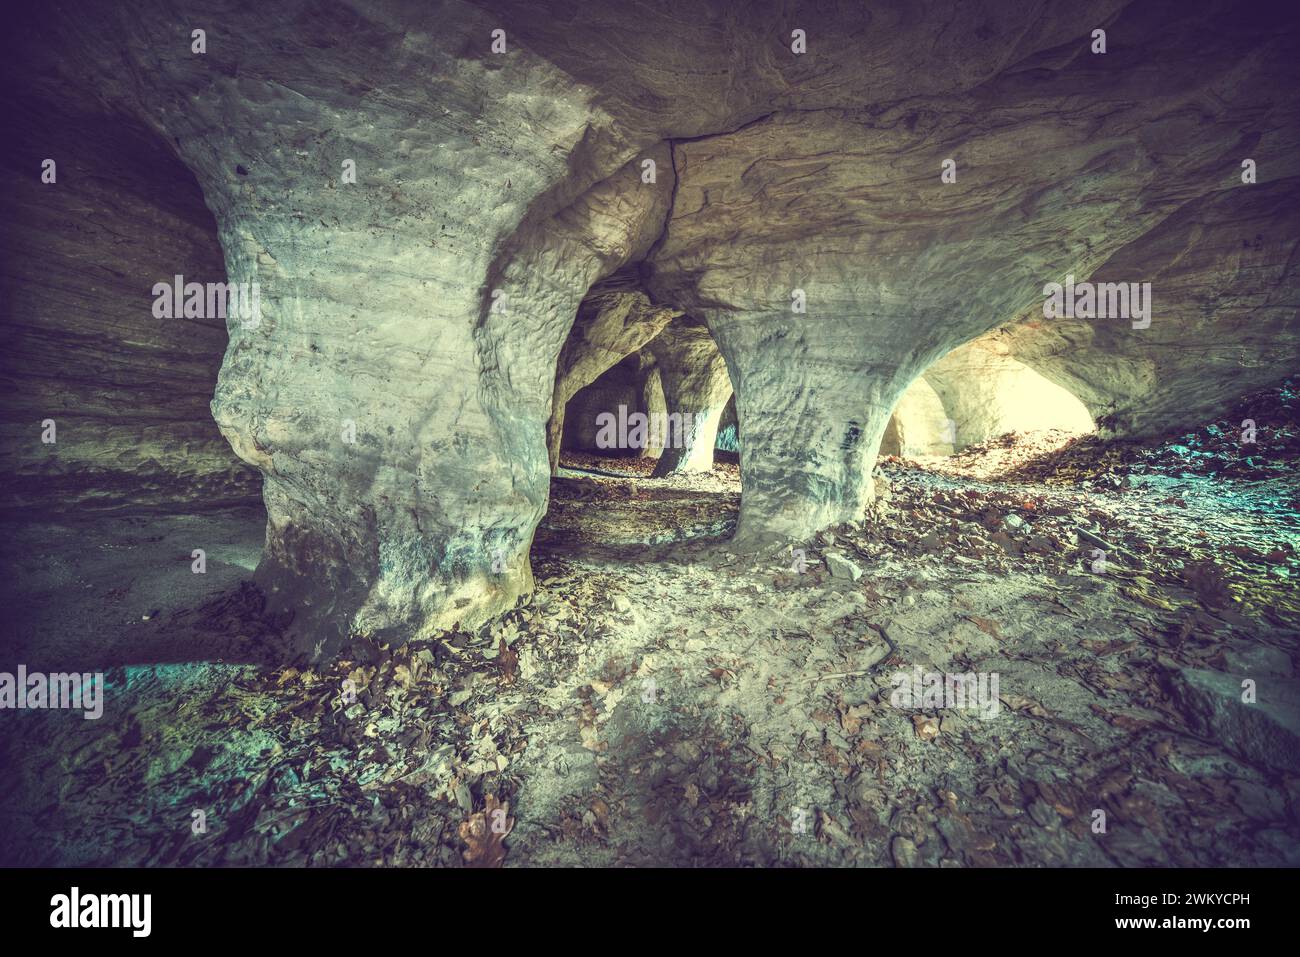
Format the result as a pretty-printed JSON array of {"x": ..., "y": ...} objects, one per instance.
[{"x": 690, "y": 434}]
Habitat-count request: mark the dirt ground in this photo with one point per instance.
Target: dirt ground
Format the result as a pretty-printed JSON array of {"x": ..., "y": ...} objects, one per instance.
[{"x": 661, "y": 700}]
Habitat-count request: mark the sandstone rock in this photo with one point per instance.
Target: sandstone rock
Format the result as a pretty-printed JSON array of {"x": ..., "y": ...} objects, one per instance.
[
  {"x": 128, "y": 393},
  {"x": 841, "y": 567},
  {"x": 987, "y": 393},
  {"x": 1220, "y": 327},
  {"x": 1266, "y": 732},
  {"x": 695, "y": 385},
  {"x": 729, "y": 428},
  {"x": 919, "y": 424},
  {"x": 609, "y": 328},
  {"x": 396, "y": 394}
]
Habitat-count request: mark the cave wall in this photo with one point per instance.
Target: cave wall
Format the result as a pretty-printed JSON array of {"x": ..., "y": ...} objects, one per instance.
[
  {"x": 614, "y": 320},
  {"x": 918, "y": 424},
  {"x": 128, "y": 393},
  {"x": 798, "y": 210},
  {"x": 695, "y": 383},
  {"x": 1061, "y": 161},
  {"x": 396, "y": 392},
  {"x": 1224, "y": 323},
  {"x": 622, "y": 384},
  {"x": 729, "y": 427}
]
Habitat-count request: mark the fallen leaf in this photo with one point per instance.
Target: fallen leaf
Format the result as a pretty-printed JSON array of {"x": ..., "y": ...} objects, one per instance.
[
  {"x": 484, "y": 834},
  {"x": 507, "y": 663},
  {"x": 927, "y": 728},
  {"x": 986, "y": 625}
]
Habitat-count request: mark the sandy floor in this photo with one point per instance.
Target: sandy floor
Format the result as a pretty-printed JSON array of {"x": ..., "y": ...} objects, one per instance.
[
  {"x": 98, "y": 593},
  {"x": 661, "y": 700}
]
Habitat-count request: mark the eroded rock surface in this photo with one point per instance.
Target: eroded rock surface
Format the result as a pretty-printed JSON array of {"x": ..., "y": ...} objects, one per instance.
[
  {"x": 396, "y": 391},
  {"x": 897, "y": 267},
  {"x": 696, "y": 390},
  {"x": 394, "y": 404},
  {"x": 919, "y": 424},
  {"x": 1224, "y": 319},
  {"x": 126, "y": 393},
  {"x": 984, "y": 392},
  {"x": 610, "y": 326}
]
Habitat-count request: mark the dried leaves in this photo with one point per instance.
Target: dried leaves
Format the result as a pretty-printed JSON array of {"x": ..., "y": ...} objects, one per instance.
[
  {"x": 927, "y": 728},
  {"x": 1209, "y": 583},
  {"x": 507, "y": 663},
  {"x": 484, "y": 834}
]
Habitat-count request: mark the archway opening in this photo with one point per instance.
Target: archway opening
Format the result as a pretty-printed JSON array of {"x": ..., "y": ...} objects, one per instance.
[
  {"x": 126, "y": 506},
  {"x": 980, "y": 412},
  {"x": 639, "y": 467}
]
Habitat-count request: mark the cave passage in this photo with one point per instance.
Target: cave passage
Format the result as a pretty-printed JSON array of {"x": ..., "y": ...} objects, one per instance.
[
  {"x": 653, "y": 445},
  {"x": 977, "y": 394},
  {"x": 639, "y": 471}
]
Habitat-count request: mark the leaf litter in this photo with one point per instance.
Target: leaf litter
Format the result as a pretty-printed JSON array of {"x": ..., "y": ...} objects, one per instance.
[{"x": 662, "y": 699}]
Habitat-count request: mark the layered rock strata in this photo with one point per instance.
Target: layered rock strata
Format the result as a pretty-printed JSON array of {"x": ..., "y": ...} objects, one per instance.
[{"x": 424, "y": 203}]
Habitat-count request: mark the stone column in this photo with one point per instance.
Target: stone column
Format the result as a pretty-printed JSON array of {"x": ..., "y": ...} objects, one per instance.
[
  {"x": 696, "y": 389},
  {"x": 419, "y": 256},
  {"x": 811, "y": 423},
  {"x": 651, "y": 386},
  {"x": 611, "y": 325}
]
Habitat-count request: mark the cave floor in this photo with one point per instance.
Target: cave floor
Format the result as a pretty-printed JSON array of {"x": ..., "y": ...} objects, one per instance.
[{"x": 662, "y": 700}]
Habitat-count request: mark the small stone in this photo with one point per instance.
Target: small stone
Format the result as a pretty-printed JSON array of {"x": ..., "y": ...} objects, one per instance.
[
  {"x": 1265, "y": 732},
  {"x": 841, "y": 567}
]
